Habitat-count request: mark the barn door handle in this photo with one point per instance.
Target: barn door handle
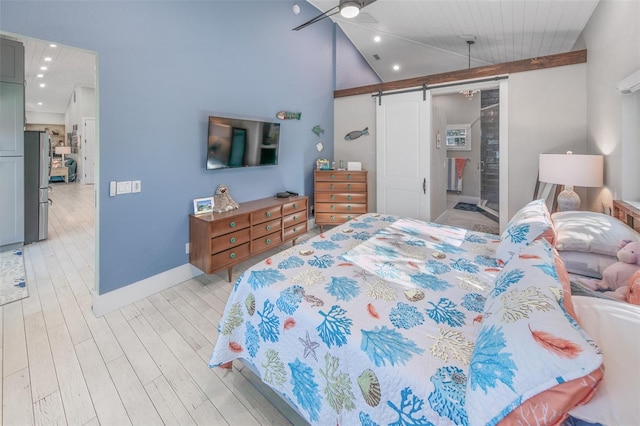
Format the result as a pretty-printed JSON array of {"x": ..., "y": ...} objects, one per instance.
[
  {"x": 481, "y": 166},
  {"x": 424, "y": 185}
]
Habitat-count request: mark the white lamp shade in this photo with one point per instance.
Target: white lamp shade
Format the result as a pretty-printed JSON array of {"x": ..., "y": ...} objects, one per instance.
[
  {"x": 63, "y": 150},
  {"x": 571, "y": 169}
]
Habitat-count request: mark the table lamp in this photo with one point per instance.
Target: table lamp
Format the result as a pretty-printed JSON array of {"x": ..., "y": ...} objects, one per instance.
[
  {"x": 62, "y": 150},
  {"x": 570, "y": 170}
]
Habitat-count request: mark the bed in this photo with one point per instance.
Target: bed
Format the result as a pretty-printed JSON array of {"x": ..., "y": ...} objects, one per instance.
[{"x": 389, "y": 320}]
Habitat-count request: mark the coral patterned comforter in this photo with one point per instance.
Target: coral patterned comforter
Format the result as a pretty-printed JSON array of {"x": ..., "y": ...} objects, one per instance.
[{"x": 373, "y": 322}]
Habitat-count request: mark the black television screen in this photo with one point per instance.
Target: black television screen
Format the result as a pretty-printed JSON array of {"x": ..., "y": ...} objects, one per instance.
[{"x": 238, "y": 142}]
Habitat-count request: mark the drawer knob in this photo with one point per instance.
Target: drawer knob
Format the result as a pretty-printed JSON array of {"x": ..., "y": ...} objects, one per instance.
[
  {"x": 332, "y": 218},
  {"x": 232, "y": 225},
  {"x": 232, "y": 255},
  {"x": 348, "y": 217},
  {"x": 268, "y": 241},
  {"x": 349, "y": 186},
  {"x": 349, "y": 176},
  {"x": 268, "y": 214},
  {"x": 333, "y": 207},
  {"x": 295, "y": 205},
  {"x": 331, "y": 186},
  {"x": 332, "y": 176},
  {"x": 295, "y": 217},
  {"x": 232, "y": 240},
  {"x": 295, "y": 229},
  {"x": 348, "y": 207},
  {"x": 333, "y": 197},
  {"x": 349, "y": 197},
  {"x": 268, "y": 227}
]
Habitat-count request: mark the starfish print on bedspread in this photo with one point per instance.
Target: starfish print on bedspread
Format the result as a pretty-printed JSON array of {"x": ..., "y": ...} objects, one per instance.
[
  {"x": 309, "y": 346},
  {"x": 362, "y": 274}
]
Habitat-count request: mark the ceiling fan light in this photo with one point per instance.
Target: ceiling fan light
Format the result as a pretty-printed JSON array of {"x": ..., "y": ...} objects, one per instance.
[{"x": 349, "y": 9}]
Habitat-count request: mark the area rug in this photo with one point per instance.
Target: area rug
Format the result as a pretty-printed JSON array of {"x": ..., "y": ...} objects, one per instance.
[
  {"x": 466, "y": 207},
  {"x": 13, "y": 283},
  {"x": 487, "y": 229}
]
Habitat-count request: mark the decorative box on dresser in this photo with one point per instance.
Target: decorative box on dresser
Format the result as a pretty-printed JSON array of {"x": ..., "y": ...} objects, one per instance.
[
  {"x": 221, "y": 240},
  {"x": 340, "y": 195}
]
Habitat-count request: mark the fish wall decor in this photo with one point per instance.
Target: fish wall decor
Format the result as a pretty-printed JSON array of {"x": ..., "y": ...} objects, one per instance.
[
  {"x": 286, "y": 115},
  {"x": 356, "y": 134},
  {"x": 317, "y": 130}
]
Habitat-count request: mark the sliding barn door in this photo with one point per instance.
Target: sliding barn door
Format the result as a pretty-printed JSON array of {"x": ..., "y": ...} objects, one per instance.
[{"x": 402, "y": 155}]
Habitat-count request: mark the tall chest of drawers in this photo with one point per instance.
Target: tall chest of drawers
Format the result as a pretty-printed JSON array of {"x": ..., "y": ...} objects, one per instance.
[
  {"x": 221, "y": 240},
  {"x": 340, "y": 195}
]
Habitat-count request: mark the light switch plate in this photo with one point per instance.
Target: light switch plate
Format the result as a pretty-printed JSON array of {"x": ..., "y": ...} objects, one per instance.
[
  {"x": 124, "y": 187},
  {"x": 112, "y": 188},
  {"x": 136, "y": 186}
]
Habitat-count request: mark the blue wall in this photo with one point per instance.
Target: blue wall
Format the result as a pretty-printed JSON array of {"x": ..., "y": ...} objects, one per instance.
[{"x": 163, "y": 68}]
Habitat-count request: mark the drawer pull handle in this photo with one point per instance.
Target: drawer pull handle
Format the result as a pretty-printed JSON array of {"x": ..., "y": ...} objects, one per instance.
[
  {"x": 331, "y": 186},
  {"x": 232, "y": 255},
  {"x": 348, "y": 176},
  {"x": 349, "y": 186},
  {"x": 332, "y": 177},
  {"x": 268, "y": 227},
  {"x": 348, "y": 217},
  {"x": 268, "y": 241},
  {"x": 232, "y": 240},
  {"x": 295, "y": 217},
  {"x": 332, "y": 219},
  {"x": 295, "y": 229},
  {"x": 295, "y": 205},
  {"x": 333, "y": 197},
  {"x": 333, "y": 207},
  {"x": 348, "y": 207},
  {"x": 268, "y": 214},
  {"x": 232, "y": 225},
  {"x": 349, "y": 197}
]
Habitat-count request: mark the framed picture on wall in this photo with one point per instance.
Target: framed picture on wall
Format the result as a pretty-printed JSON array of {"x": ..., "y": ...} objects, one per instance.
[
  {"x": 203, "y": 205},
  {"x": 458, "y": 137}
]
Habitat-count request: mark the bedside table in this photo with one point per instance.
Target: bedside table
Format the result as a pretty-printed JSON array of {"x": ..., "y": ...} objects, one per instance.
[{"x": 60, "y": 171}]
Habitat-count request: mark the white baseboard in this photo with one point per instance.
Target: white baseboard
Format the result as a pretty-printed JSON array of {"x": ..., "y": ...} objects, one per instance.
[
  {"x": 463, "y": 199},
  {"x": 108, "y": 302}
]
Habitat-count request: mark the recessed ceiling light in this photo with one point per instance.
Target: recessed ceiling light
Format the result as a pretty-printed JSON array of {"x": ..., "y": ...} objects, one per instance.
[
  {"x": 42, "y": 84},
  {"x": 53, "y": 45},
  {"x": 40, "y": 103},
  {"x": 47, "y": 59},
  {"x": 40, "y": 75},
  {"x": 377, "y": 39},
  {"x": 396, "y": 67},
  {"x": 43, "y": 68}
]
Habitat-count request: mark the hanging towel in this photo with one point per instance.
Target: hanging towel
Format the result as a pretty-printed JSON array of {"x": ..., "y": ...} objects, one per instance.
[
  {"x": 460, "y": 162},
  {"x": 454, "y": 174}
]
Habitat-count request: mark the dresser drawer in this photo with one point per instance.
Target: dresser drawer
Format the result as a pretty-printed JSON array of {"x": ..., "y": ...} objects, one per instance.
[
  {"x": 330, "y": 218},
  {"x": 232, "y": 239},
  {"x": 341, "y": 208},
  {"x": 266, "y": 228},
  {"x": 294, "y": 206},
  {"x": 268, "y": 241},
  {"x": 341, "y": 186},
  {"x": 344, "y": 176},
  {"x": 295, "y": 218},
  {"x": 294, "y": 231},
  {"x": 264, "y": 215},
  {"x": 227, "y": 257},
  {"x": 224, "y": 226},
  {"x": 360, "y": 198}
]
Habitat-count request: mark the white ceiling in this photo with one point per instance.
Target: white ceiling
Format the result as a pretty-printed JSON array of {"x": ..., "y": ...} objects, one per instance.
[
  {"x": 423, "y": 37},
  {"x": 427, "y": 37}
]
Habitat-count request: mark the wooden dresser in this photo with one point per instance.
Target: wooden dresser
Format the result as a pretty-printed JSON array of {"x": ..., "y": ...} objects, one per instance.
[
  {"x": 627, "y": 213},
  {"x": 340, "y": 195},
  {"x": 221, "y": 240}
]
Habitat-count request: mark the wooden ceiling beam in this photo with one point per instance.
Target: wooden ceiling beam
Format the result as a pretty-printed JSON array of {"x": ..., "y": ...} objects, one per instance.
[{"x": 558, "y": 60}]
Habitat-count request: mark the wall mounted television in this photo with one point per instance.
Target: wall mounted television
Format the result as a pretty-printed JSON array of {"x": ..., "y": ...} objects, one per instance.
[{"x": 238, "y": 142}]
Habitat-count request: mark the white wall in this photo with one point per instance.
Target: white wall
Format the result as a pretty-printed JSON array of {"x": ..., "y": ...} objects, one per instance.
[
  {"x": 356, "y": 113},
  {"x": 82, "y": 104},
  {"x": 547, "y": 114},
  {"x": 612, "y": 39},
  {"x": 34, "y": 117}
]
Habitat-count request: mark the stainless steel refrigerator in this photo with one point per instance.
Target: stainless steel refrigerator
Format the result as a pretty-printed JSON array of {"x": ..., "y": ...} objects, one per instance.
[{"x": 37, "y": 164}]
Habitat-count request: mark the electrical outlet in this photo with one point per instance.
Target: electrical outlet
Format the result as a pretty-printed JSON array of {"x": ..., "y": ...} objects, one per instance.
[
  {"x": 136, "y": 186},
  {"x": 186, "y": 248}
]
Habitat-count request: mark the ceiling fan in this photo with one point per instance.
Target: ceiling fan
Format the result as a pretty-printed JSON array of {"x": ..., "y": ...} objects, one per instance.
[{"x": 347, "y": 8}]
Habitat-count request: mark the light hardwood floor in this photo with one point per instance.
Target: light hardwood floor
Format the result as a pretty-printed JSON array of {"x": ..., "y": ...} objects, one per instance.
[{"x": 143, "y": 364}]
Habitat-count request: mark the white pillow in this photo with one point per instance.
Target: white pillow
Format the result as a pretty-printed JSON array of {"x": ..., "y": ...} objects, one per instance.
[
  {"x": 615, "y": 328},
  {"x": 585, "y": 263},
  {"x": 590, "y": 232}
]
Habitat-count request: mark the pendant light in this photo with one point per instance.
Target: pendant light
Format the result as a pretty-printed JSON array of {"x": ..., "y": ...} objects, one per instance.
[{"x": 469, "y": 93}]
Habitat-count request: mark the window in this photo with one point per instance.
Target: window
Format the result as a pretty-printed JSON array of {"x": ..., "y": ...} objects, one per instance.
[{"x": 458, "y": 137}]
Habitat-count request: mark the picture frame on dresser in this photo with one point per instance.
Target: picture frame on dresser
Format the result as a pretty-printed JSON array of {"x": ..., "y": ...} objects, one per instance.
[{"x": 203, "y": 205}]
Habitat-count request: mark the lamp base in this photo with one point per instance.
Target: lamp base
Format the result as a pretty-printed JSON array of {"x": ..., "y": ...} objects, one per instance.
[{"x": 568, "y": 200}]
